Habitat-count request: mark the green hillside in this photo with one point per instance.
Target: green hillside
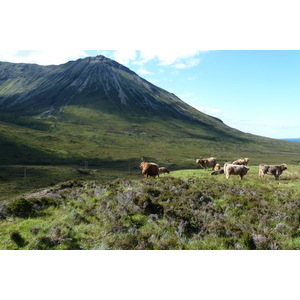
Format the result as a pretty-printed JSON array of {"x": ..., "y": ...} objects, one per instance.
[{"x": 97, "y": 111}]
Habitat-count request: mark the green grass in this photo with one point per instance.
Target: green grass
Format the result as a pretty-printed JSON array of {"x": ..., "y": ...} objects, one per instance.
[
  {"x": 14, "y": 183},
  {"x": 289, "y": 179},
  {"x": 115, "y": 144},
  {"x": 186, "y": 209}
]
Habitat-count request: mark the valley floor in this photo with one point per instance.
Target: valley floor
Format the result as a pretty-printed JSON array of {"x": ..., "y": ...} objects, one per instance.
[{"x": 16, "y": 180}]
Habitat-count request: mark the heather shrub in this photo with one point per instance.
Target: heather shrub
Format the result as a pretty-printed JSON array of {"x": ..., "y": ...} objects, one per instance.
[
  {"x": 25, "y": 208},
  {"x": 17, "y": 238},
  {"x": 20, "y": 208},
  {"x": 43, "y": 243},
  {"x": 165, "y": 213}
]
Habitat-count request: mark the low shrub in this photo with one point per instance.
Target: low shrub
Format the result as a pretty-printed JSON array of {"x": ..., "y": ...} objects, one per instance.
[
  {"x": 20, "y": 208},
  {"x": 43, "y": 243},
  {"x": 25, "y": 208},
  {"x": 17, "y": 238}
]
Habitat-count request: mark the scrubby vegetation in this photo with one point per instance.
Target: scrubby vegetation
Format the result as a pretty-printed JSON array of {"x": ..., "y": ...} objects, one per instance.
[{"x": 184, "y": 210}]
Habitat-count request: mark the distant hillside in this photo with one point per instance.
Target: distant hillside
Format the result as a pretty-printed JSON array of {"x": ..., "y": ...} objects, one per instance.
[{"x": 98, "y": 110}]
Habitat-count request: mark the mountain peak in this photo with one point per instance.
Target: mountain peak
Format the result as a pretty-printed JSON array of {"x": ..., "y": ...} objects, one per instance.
[
  {"x": 105, "y": 60},
  {"x": 98, "y": 58},
  {"x": 95, "y": 82}
]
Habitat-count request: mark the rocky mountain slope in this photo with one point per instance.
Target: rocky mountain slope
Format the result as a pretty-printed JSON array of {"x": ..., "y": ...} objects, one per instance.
[
  {"x": 47, "y": 89},
  {"x": 95, "y": 82}
]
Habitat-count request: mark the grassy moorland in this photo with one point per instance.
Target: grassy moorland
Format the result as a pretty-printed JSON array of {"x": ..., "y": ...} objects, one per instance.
[
  {"x": 187, "y": 209},
  {"x": 50, "y": 157},
  {"x": 15, "y": 180}
]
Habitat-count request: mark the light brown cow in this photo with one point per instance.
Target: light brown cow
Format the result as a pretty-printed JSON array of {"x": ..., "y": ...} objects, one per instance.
[
  {"x": 271, "y": 170},
  {"x": 241, "y": 161},
  {"x": 163, "y": 170},
  {"x": 230, "y": 169},
  {"x": 149, "y": 169},
  {"x": 207, "y": 162},
  {"x": 217, "y": 167}
]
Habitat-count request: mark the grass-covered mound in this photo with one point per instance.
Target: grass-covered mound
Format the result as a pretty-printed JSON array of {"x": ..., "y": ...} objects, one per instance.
[{"x": 183, "y": 210}]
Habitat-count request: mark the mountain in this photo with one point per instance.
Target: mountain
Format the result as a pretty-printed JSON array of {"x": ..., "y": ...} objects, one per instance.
[
  {"x": 94, "y": 82},
  {"x": 99, "y": 110}
]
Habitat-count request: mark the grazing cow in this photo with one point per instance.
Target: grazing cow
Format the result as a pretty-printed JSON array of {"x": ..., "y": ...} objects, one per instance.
[
  {"x": 230, "y": 169},
  {"x": 217, "y": 172},
  {"x": 149, "y": 169},
  {"x": 271, "y": 170},
  {"x": 241, "y": 161},
  {"x": 207, "y": 162},
  {"x": 163, "y": 170}
]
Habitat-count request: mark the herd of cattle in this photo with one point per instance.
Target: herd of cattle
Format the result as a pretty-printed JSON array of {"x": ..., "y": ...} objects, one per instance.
[{"x": 238, "y": 167}]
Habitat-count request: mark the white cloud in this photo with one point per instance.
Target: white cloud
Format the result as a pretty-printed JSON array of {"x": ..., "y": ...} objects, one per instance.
[
  {"x": 175, "y": 73},
  {"x": 124, "y": 56},
  {"x": 209, "y": 111},
  {"x": 144, "y": 72},
  {"x": 140, "y": 62},
  {"x": 42, "y": 57},
  {"x": 167, "y": 57},
  {"x": 189, "y": 97},
  {"x": 179, "y": 59},
  {"x": 187, "y": 63},
  {"x": 194, "y": 101},
  {"x": 265, "y": 128}
]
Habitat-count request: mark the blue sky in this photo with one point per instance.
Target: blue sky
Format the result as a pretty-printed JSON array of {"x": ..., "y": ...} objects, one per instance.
[{"x": 256, "y": 91}]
